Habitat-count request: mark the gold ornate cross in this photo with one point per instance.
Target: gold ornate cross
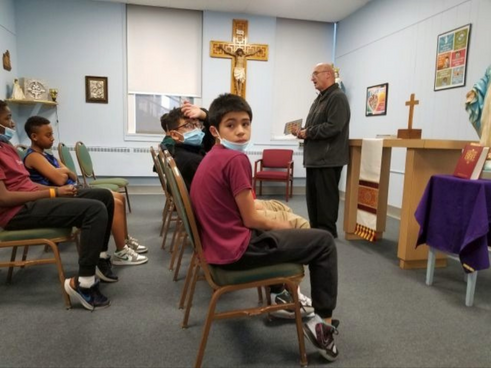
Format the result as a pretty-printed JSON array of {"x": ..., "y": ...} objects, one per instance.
[
  {"x": 411, "y": 104},
  {"x": 239, "y": 51}
]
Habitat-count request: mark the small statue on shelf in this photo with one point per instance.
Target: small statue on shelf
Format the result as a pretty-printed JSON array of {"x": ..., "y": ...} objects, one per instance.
[
  {"x": 17, "y": 93},
  {"x": 53, "y": 92},
  {"x": 337, "y": 78}
]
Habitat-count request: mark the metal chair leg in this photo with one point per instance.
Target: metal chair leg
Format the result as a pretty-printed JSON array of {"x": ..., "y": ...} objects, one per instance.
[{"x": 127, "y": 198}]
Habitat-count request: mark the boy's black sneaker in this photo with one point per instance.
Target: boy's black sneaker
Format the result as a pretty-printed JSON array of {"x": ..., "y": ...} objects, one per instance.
[
  {"x": 323, "y": 339},
  {"x": 104, "y": 270},
  {"x": 91, "y": 298}
]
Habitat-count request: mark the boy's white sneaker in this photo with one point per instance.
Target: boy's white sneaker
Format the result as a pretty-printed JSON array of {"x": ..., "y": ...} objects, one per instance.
[{"x": 128, "y": 257}]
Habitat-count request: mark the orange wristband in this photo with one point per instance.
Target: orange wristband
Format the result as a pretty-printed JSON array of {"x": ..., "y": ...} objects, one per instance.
[{"x": 52, "y": 192}]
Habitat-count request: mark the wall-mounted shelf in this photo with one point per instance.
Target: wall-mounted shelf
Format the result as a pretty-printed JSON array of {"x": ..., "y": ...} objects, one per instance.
[{"x": 32, "y": 102}]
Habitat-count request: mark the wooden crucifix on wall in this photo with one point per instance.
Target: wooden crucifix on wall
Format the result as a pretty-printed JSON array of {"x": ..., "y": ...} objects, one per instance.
[{"x": 239, "y": 51}]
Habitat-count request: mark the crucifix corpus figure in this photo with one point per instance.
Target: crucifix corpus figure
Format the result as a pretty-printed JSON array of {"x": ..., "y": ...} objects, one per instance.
[
  {"x": 410, "y": 133},
  {"x": 239, "y": 51},
  {"x": 239, "y": 72}
]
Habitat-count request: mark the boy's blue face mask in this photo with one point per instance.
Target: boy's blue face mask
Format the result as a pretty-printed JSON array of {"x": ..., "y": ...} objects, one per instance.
[
  {"x": 193, "y": 137},
  {"x": 7, "y": 135},
  {"x": 241, "y": 147}
]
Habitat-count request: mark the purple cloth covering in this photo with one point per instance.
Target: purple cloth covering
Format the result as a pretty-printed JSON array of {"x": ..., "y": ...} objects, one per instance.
[{"x": 454, "y": 216}]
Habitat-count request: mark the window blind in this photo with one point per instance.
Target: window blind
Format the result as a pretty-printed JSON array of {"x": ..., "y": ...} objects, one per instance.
[{"x": 164, "y": 48}]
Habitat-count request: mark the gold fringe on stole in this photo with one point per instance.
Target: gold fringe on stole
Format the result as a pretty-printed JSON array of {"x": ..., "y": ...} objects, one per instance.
[{"x": 365, "y": 233}]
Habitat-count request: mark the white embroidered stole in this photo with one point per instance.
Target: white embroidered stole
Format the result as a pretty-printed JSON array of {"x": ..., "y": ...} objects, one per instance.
[{"x": 368, "y": 188}]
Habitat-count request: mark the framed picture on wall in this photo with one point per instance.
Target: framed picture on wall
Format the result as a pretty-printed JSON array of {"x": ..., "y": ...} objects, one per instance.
[
  {"x": 452, "y": 52},
  {"x": 376, "y": 100},
  {"x": 96, "y": 89}
]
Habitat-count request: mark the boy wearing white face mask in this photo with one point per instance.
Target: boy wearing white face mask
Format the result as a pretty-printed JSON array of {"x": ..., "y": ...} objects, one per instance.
[{"x": 237, "y": 236}]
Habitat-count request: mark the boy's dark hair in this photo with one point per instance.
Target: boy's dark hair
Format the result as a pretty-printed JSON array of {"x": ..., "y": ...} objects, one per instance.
[
  {"x": 224, "y": 104},
  {"x": 170, "y": 121},
  {"x": 163, "y": 121},
  {"x": 34, "y": 123},
  {"x": 3, "y": 105},
  {"x": 174, "y": 117}
]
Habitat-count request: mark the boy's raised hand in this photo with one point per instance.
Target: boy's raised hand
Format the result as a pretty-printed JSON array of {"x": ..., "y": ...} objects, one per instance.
[{"x": 192, "y": 111}]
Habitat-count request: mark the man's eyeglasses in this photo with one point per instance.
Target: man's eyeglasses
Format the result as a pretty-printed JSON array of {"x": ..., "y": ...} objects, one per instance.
[
  {"x": 315, "y": 74},
  {"x": 191, "y": 124}
]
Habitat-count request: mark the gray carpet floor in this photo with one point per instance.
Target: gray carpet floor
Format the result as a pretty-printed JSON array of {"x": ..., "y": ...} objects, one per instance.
[{"x": 389, "y": 317}]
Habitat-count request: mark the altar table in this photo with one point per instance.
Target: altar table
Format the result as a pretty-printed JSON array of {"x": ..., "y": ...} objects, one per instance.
[{"x": 424, "y": 158}]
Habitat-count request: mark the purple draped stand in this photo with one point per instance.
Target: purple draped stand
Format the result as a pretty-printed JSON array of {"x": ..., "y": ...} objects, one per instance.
[{"x": 454, "y": 216}]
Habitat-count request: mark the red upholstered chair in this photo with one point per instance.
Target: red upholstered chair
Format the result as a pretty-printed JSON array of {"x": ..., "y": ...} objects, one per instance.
[{"x": 275, "y": 165}]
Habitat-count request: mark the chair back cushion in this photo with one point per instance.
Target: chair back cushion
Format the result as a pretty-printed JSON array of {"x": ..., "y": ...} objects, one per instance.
[
  {"x": 66, "y": 157},
  {"x": 84, "y": 160},
  {"x": 160, "y": 172},
  {"x": 278, "y": 158},
  {"x": 173, "y": 175}
]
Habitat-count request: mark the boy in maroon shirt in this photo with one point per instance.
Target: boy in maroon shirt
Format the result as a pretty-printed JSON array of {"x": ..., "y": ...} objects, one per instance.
[{"x": 236, "y": 236}]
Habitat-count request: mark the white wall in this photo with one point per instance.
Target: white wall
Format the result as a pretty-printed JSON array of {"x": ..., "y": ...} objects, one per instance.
[
  {"x": 62, "y": 42},
  {"x": 300, "y": 45},
  {"x": 395, "y": 42}
]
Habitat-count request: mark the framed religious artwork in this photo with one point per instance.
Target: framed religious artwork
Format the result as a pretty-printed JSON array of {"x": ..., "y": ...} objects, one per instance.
[
  {"x": 376, "y": 100},
  {"x": 6, "y": 61},
  {"x": 452, "y": 53},
  {"x": 96, "y": 89}
]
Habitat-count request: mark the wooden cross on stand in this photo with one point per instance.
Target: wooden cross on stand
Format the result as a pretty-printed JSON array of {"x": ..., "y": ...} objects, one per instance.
[
  {"x": 239, "y": 51},
  {"x": 410, "y": 133}
]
